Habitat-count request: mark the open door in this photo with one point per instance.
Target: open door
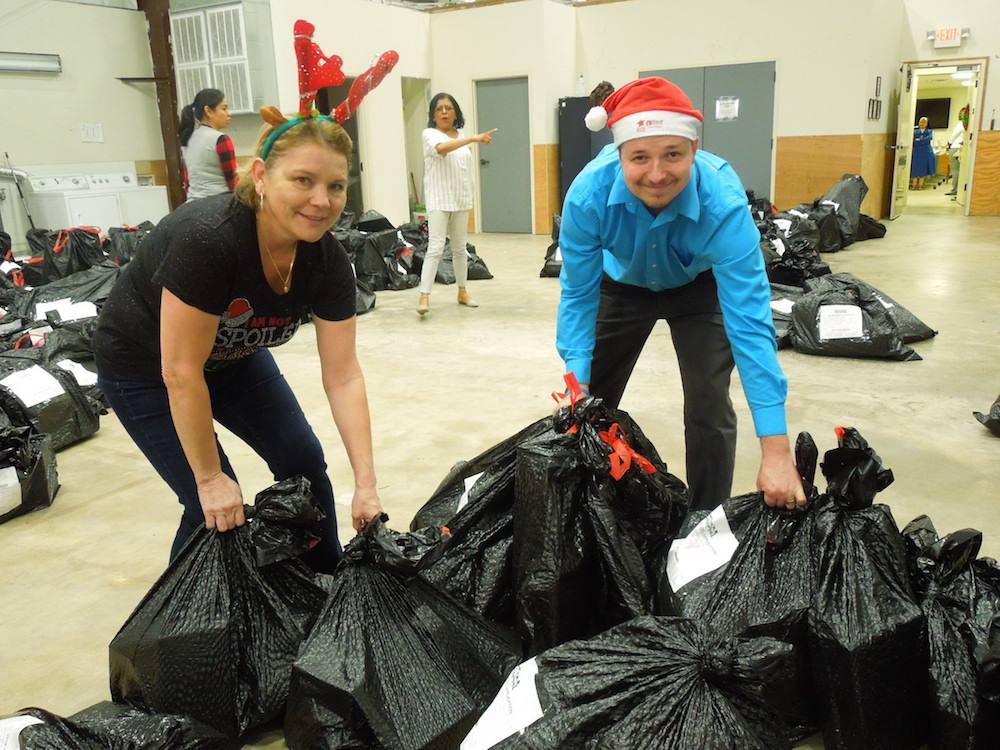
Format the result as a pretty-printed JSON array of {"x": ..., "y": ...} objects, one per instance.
[{"x": 904, "y": 140}]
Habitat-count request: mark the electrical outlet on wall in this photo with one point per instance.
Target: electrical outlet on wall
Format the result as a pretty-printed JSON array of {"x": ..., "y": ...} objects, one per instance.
[{"x": 91, "y": 132}]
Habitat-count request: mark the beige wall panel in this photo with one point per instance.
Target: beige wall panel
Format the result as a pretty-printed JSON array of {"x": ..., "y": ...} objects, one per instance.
[
  {"x": 876, "y": 168},
  {"x": 546, "y": 182},
  {"x": 985, "y": 200},
  {"x": 808, "y": 166}
]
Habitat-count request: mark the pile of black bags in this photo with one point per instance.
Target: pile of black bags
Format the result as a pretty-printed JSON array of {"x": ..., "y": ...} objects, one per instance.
[{"x": 814, "y": 310}]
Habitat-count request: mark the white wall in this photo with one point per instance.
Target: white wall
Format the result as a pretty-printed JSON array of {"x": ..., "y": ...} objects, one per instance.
[
  {"x": 40, "y": 113},
  {"x": 981, "y": 16}
]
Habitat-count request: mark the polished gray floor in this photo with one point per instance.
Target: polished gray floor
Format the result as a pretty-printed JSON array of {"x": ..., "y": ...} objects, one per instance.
[{"x": 451, "y": 384}]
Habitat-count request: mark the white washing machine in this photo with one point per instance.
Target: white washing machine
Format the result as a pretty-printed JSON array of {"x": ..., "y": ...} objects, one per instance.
[{"x": 93, "y": 200}]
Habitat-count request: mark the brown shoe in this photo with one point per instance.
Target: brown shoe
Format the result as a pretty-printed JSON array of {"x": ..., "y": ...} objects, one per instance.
[
  {"x": 465, "y": 299},
  {"x": 424, "y": 304}
]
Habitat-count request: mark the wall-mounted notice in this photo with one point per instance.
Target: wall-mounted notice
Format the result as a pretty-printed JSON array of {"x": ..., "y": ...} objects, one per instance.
[{"x": 727, "y": 108}]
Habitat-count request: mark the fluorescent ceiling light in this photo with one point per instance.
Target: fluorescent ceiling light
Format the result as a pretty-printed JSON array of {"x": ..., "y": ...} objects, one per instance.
[
  {"x": 30, "y": 62},
  {"x": 962, "y": 74}
]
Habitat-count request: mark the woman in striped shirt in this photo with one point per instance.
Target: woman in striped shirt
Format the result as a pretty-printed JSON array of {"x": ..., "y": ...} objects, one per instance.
[{"x": 447, "y": 193}]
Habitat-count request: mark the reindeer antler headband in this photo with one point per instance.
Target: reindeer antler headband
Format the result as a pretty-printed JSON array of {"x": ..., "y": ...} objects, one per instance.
[{"x": 317, "y": 70}]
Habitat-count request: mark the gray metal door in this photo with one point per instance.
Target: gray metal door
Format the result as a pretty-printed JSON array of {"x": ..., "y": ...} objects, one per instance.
[
  {"x": 505, "y": 165},
  {"x": 738, "y": 104}
]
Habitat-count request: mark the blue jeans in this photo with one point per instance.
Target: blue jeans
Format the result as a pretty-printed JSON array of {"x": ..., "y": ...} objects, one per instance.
[{"x": 252, "y": 400}]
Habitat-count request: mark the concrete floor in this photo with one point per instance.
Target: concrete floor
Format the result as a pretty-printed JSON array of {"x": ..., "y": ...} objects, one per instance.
[{"x": 447, "y": 386}]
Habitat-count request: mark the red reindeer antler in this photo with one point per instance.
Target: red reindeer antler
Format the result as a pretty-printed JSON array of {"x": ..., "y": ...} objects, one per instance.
[
  {"x": 316, "y": 70},
  {"x": 365, "y": 83}
]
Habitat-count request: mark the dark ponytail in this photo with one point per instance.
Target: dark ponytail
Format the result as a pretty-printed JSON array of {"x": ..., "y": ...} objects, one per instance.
[{"x": 192, "y": 113}]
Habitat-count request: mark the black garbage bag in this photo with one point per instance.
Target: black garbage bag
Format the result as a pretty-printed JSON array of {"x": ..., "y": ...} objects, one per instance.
[
  {"x": 760, "y": 208},
  {"x": 121, "y": 243},
  {"x": 870, "y": 228},
  {"x": 990, "y": 420},
  {"x": 757, "y": 581},
  {"x": 28, "y": 473},
  {"x": 56, "y": 254},
  {"x": 593, "y": 503},
  {"x": 364, "y": 298},
  {"x": 847, "y": 320},
  {"x": 414, "y": 232},
  {"x": 377, "y": 263},
  {"x": 111, "y": 726},
  {"x": 393, "y": 662},
  {"x": 961, "y": 601},
  {"x": 553, "y": 255},
  {"x": 846, "y": 196},
  {"x": 475, "y": 501},
  {"x": 347, "y": 219},
  {"x": 91, "y": 285},
  {"x": 910, "y": 327},
  {"x": 824, "y": 215},
  {"x": 216, "y": 635},
  {"x": 70, "y": 347},
  {"x": 477, "y": 269},
  {"x": 48, "y": 398},
  {"x": 650, "y": 683},
  {"x": 372, "y": 221},
  {"x": 868, "y": 644},
  {"x": 783, "y": 298},
  {"x": 798, "y": 229}
]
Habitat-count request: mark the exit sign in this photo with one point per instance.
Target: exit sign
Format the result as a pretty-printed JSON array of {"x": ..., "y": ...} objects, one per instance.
[{"x": 951, "y": 37}]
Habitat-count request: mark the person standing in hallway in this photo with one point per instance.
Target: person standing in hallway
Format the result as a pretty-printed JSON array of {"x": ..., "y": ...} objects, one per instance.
[
  {"x": 183, "y": 338},
  {"x": 655, "y": 229},
  {"x": 447, "y": 194},
  {"x": 209, "y": 154},
  {"x": 955, "y": 141},
  {"x": 923, "y": 162}
]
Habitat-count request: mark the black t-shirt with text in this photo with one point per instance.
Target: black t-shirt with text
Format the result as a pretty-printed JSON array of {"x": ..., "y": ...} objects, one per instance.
[{"x": 206, "y": 253}]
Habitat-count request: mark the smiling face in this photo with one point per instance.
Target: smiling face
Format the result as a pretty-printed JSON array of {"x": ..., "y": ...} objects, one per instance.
[
  {"x": 305, "y": 191},
  {"x": 657, "y": 168}
]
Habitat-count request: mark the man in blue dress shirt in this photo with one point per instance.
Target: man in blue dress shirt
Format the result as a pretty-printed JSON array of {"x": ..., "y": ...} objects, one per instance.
[{"x": 654, "y": 229}]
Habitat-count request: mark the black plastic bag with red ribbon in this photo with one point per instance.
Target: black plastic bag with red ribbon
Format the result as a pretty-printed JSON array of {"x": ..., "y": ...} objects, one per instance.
[
  {"x": 56, "y": 254},
  {"x": 593, "y": 503}
]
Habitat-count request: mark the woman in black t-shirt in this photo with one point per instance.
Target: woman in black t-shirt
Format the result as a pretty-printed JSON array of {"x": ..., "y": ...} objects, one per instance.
[{"x": 183, "y": 337}]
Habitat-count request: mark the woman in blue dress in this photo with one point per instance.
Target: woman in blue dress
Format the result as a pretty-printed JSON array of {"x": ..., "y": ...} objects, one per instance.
[{"x": 923, "y": 161}]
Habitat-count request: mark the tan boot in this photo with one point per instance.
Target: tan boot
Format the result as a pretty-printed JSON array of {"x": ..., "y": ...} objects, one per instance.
[
  {"x": 465, "y": 299},
  {"x": 424, "y": 304}
]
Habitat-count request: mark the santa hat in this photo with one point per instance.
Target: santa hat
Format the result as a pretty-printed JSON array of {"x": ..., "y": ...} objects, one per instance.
[{"x": 648, "y": 106}]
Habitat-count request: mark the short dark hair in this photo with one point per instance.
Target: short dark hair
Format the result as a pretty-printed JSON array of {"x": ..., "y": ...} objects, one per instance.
[{"x": 459, "y": 117}]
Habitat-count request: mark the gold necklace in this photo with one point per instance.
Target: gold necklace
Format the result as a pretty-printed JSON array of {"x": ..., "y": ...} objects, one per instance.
[{"x": 286, "y": 279}]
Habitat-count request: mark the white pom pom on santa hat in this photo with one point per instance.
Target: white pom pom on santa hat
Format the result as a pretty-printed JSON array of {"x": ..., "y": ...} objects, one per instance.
[
  {"x": 646, "y": 107},
  {"x": 596, "y": 118}
]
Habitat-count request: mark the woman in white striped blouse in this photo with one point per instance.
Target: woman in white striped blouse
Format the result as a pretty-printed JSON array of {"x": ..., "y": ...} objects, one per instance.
[{"x": 447, "y": 193}]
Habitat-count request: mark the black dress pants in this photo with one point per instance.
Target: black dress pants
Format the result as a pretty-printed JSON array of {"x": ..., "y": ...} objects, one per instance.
[{"x": 625, "y": 319}]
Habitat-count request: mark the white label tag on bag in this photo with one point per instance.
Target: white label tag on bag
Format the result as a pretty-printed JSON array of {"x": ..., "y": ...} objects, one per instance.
[
  {"x": 840, "y": 322},
  {"x": 8, "y": 265},
  {"x": 33, "y": 385},
  {"x": 710, "y": 545},
  {"x": 67, "y": 309},
  {"x": 10, "y": 730},
  {"x": 81, "y": 374},
  {"x": 10, "y": 490},
  {"x": 514, "y": 709},
  {"x": 469, "y": 482},
  {"x": 783, "y": 305}
]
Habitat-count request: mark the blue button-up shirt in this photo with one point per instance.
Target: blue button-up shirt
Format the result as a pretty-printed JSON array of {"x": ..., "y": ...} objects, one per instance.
[{"x": 607, "y": 229}]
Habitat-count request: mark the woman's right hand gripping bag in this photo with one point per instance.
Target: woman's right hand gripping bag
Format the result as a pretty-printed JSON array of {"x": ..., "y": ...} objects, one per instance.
[{"x": 868, "y": 645}]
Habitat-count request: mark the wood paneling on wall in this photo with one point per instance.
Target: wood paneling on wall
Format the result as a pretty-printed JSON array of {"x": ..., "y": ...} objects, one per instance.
[
  {"x": 546, "y": 185},
  {"x": 808, "y": 166},
  {"x": 985, "y": 199},
  {"x": 876, "y": 169}
]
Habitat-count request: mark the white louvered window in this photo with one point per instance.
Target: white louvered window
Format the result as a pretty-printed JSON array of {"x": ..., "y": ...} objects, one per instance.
[{"x": 210, "y": 52}]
